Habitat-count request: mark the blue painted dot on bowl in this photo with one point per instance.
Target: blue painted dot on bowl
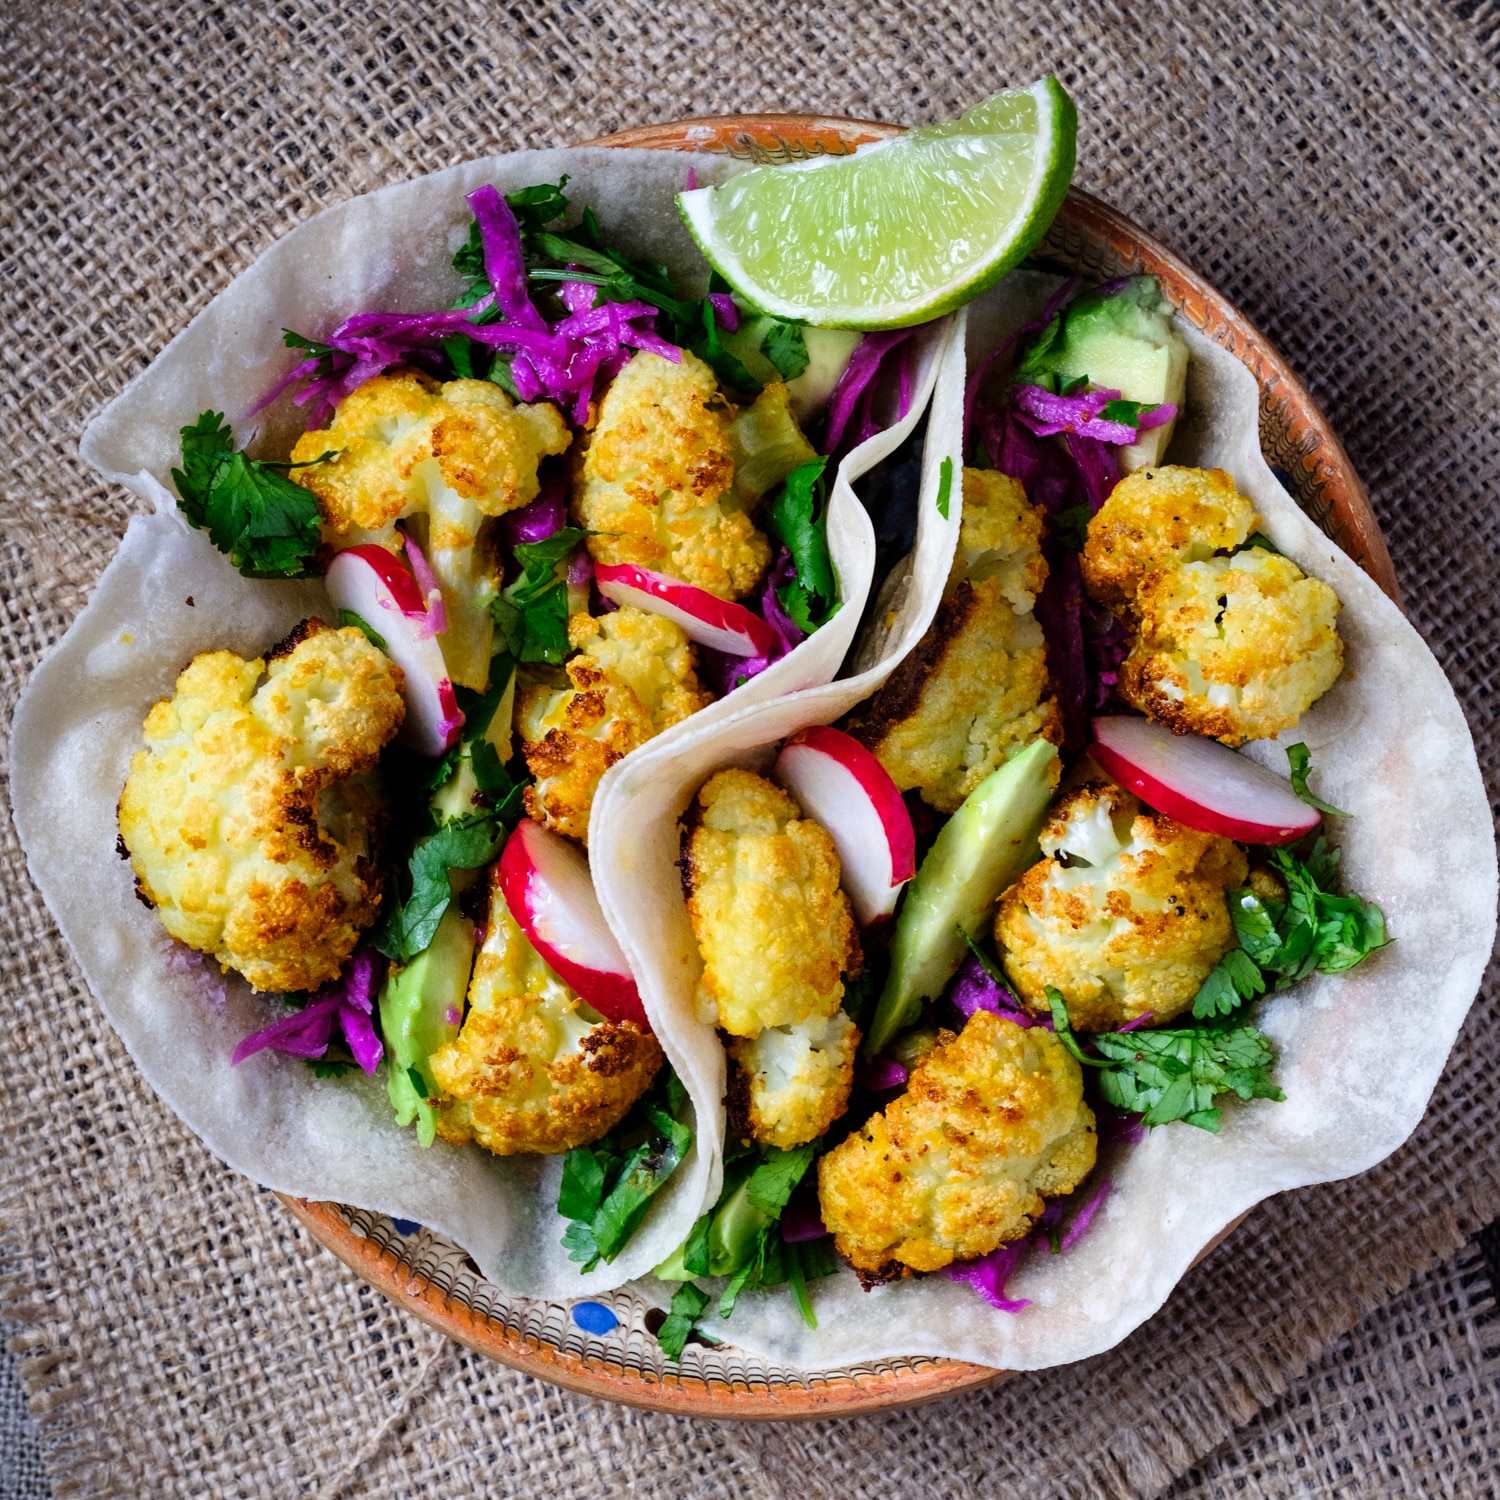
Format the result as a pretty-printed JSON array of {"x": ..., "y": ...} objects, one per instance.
[
  {"x": 406, "y": 1226},
  {"x": 594, "y": 1317}
]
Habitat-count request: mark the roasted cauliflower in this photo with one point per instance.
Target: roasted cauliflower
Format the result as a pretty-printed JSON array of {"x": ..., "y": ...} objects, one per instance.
[
  {"x": 446, "y": 457},
  {"x": 1233, "y": 647},
  {"x": 795, "y": 1079},
  {"x": 1125, "y": 916},
  {"x": 671, "y": 474},
  {"x": 975, "y": 689},
  {"x": 533, "y": 1069},
  {"x": 248, "y": 818},
  {"x": 772, "y": 924},
  {"x": 992, "y": 1122},
  {"x": 1159, "y": 518},
  {"x": 633, "y": 677}
]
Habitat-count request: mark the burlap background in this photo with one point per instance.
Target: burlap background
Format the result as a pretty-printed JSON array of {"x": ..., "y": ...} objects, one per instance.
[{"x": 1329, "y": 166}]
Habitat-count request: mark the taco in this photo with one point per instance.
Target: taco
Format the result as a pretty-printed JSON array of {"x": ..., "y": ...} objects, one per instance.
[
  {"x": 463, "y": 493},
  {"x": 1145, "y": 975}
]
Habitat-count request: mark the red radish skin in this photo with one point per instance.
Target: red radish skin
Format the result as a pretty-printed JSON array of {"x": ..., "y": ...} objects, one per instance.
[
  {"x": 550, "y": 893},
  {"x": 843, "y": 788},
  {"x": 1200, "y": 783},
  {"x": 376, "y": 586},
  {"x": 705, "y": 618}
]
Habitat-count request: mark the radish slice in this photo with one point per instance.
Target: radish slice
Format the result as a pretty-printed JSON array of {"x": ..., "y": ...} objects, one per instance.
[
  {"x": 373, "y": 584},
  {"x": 842, "y": 787},
  {"x": 705, "y": 618},
  {"x": 550, "y": 893},
  {"x": 1201, "y": 783}
]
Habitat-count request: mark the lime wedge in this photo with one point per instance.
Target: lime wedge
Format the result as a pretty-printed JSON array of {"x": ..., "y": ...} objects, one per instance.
[{"x": 903, "y": 230}]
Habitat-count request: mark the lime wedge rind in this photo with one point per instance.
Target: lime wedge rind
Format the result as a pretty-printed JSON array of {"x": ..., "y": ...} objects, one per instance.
[{"x": 980, "y": 191}]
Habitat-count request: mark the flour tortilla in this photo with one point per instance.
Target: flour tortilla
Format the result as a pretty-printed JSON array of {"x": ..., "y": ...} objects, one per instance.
[
  {"x": 168, "y": 595},
  {"x": 1360, "y": 1052}
]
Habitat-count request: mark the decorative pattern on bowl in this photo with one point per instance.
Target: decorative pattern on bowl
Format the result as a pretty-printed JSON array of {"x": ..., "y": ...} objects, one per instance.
[{"x": 434, "y": 1278}]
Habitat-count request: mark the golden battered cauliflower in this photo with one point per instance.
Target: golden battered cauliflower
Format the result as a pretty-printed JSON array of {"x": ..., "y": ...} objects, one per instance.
[
  {"x": 772, "y": 924},
  {"x": 1126, "y": 916},
  {"x": 658, "y": 478},
  {"x": 634, "y": 677},
  {"x": 446, "y": 456},
  {"x": 1159, "y": 518},
  {"x": 795, "y": 1080},
  {"x": 974, "y": 691},
  {"x": 533, "y": 1068},
  {"x": 248, "y": 820},
  {"x": 1233, "y": 647},
  {"x": 992, "y": 1122}
]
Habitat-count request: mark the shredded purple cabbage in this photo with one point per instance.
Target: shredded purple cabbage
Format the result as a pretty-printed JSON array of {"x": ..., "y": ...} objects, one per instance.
[
  {"x": 543, "y": 516},
  {"x": 1141, "y": 1020},
  {"x": 723, "y": 672},
  {"x": 973, "y": 990},
  {"x": 854, "y": 395},
  {"x": 1055, "y": 305},
  {"x": 881, "y": 1073},
  {"x": 725, "y": 312},
  {"x": 802, "y": 1219},
  {"x": 347, "y": 1003},
  {"x": 504, "y": 263},
  {"x": 1118, "y": 1125},
  {"x": 987, "y": 1275},
  {"x": 1079, "y": 1227}
]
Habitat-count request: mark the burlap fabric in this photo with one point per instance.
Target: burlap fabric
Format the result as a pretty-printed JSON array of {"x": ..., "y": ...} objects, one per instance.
[{"x": 1329, "y": 166}]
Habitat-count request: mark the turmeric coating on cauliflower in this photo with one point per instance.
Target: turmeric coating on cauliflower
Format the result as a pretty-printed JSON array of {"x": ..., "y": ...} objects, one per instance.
[
  {"x": 448, "y": 456},
  {"x": 993, "y": 1121},
  {"x": 633, "y": 677},
  {"x": 1233, "y": 647},
  {"x": 795, "y": 1079},
  {"x": 248, "y": 819},
  {"x": 1160, "y": 518},
  {"x": 974, "y": 691},
  {"x": 534, "y": 1069},
  {"x": 1131, "y": 923},
  {"x": 771, "y": 921},
  {"x": 658, "y": 479}
]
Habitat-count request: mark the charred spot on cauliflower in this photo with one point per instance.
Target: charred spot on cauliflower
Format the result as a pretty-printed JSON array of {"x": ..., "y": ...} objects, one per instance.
[
  {"x": 249, "y": 820},
  {"x": 993, "y": 1121},
  {"x": 797, "y": 1078},
  {"x": 633, "y": 677},
  {"x": 772, "y": 924},
  {"x": 447, "y": 457},
  {"x": 1233, "y": 647},
  {"x": 1160, "y": 518},
  {"x": 1126, "y": 915},
  {"x": 657, "y": 480},
  {"x": 974, "y": 691},
  {"x": 533, "y": 1069}
]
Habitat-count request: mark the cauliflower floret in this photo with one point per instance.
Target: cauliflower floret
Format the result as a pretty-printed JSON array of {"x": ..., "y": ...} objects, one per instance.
[
  {"x": 772, "y": 924},
  {"x": 633, "y": 678},
  {"x": 657, "y": 480},
  {"x": 445, "y": 455},
  {"x": 973, "y": 692},
  {"x": 533, "y": 1068},
  {"x": 992, "y": 1122},
  {"x": 1157, "y": 518},
  {"x": 248, "y": 820},
  {"x": 1129, "y": 919},
  {"x": 796, "y": 1079},
  {"x": 1233, "y": 647}
]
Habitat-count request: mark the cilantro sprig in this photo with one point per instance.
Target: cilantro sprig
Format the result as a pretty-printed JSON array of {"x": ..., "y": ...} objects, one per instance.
[
  {"x": 799, "y": 520},
  {"x": 1299, "y": 757},
  {"x": 531, "y": 613},
  {"x": 407, "y": 927},
  {"x": 269, "y": 526}
]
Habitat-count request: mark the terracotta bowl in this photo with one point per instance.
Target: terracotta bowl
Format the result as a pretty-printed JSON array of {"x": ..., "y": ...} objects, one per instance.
[{"x": 435, "y": 1279}]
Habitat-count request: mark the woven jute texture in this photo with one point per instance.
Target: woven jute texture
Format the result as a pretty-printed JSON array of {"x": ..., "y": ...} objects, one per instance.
[{"x": 1329, "y": 166}]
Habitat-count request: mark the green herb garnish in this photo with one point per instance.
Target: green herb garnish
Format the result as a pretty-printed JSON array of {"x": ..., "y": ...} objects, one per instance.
[
  {"x": 799, "y": 520},
  {"x": 1300, "y": 759}
]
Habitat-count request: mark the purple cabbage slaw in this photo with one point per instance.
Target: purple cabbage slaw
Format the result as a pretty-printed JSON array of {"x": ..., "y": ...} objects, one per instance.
[
  {"x": 347, "y": 1003},
  {"x": 853, "y": 398},
  {"x": 560, "y": 363}
]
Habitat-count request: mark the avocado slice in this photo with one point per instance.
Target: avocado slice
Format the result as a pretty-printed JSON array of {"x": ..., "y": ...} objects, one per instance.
[
  {"x": 980, "y": 851},
  {"x": 828, "y": 353}
]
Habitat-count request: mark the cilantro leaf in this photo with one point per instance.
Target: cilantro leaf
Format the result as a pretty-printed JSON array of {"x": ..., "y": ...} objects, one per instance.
[
  {"x": 329, "y": 1068},
  {"x": 945, "y": 487},
  {"x": 1300, "y": 758},
  {"x": 1126, "y": 413},
  {"x": 1062, "y": 1026},
  {"x": 348, "y": 617},
  {"x": 1176, "y": 1075},
  {"x": 1232, "y": 981},
  {"x": 532, "y": 613},
  {"x": 1071, "y": 526},
  {"x": 408, "y": 927},
  {"x": 269, "y": 526},
  {"x": 582, "y": 1188},
  {"x": 991, "y": 969},
  {"x": 688, "y": 1305},
  {"x": 1261, "y": 540},
  {"x": 799, "y": 521},
  {"x": 771, "y": 1183},
  {"x": 786, "y": 348}
]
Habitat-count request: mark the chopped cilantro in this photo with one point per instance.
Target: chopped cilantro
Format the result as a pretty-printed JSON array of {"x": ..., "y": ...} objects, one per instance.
[
  {"x": 1233, "y": 980},
  {"x": 1072, "y": 526},
  {"x": 269, "y": 526},
  {"x": 408, "y": 927},
  {"x": 688, "y": 1305},
  {"x": 414, "y": 1075},
  {"x": 785, "y": 347},
  {"x": 1261, "y": 540},
  {"x": 1065, "y": 386},
  {"x": 799, "y": 520},
  {"x": 348, "y": 617},
  {"x": 1300, "y": 758},
  {"x": 771, "y": 1183},
  {"x": 329, "y": 1067},
  {"x": 1126, "y": 413},
  {"x": 532, "y": 613},
  {"x": 945, "y": 487}
]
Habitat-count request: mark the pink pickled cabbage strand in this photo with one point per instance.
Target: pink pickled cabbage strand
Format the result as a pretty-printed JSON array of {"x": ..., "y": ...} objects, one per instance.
[
  {"x": 434, "y": 617},
  {"x": 347, "y": 1003},
  {"x": 722, "y": 672}
]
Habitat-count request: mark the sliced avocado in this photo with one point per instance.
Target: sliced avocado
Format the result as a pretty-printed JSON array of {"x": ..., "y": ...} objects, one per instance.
[
  {"x": 415, "y": 1005},
  {"x": 732, "y": 1235},
  {"x": 1124, "y": 342},
  {"x": 828, "y": 353},
  {"x": 979, "y": 851}
]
